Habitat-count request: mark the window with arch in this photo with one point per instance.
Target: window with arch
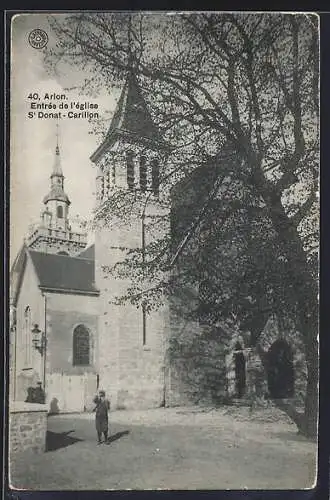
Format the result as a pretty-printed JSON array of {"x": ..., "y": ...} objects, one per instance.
[
  {"x": 27, "y": 336},
  {"x": 155, "y": 177},
  {"x": 113, "y": 174},
  {"x": 130, "y": 170},
  {"x": 81, "y": 346},
  {"x": 143, "y": 174},
  {"x": 60, "y": 212}
]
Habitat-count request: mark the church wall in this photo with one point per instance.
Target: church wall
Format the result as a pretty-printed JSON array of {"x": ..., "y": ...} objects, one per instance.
[
  {"x": 71, "y": 387},
  {"x": 195, "y": 358},
  {"x": 142, "y": 365},
  {"x": 27, "y": 359},
  {"x": 131, "y": 373}
]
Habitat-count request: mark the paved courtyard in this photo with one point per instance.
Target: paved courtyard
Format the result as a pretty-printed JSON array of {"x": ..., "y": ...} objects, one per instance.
[{"x": 171, "y": 449}]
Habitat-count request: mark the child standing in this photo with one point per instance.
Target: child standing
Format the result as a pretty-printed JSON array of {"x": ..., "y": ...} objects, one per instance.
[{"x": 101, "y": 416}]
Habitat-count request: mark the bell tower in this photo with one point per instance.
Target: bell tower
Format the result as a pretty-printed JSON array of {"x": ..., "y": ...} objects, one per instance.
[
  {"x": 130, "y": 164},
  {"x": 54, "y": 234}
]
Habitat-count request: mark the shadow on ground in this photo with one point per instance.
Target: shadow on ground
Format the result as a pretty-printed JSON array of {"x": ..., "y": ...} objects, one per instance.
[
  {"x": 118, "y": 435},
  {"x": 292, "y": 436},
  {"x": 57, "y": 440}
]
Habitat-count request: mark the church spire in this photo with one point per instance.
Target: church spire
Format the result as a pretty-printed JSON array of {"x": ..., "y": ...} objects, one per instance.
[
  {"x": 57, "y": 201},
  {"x": 131, "y": 120},
  {"x": 57, "y": 169}
]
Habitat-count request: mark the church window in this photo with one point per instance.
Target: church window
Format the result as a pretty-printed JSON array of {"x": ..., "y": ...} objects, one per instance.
[
  {"x": 60, "y": 212},
  {"x": 81, "y": 346},
  {"x": 102, "y": 188},
  {"x": 155, "y": 177},
  {"x": 143, "y": 174},
  {"x": 113, "y": 171},
  {"x": 27, "y": 336},
  {"x": 130, "y": 170}
]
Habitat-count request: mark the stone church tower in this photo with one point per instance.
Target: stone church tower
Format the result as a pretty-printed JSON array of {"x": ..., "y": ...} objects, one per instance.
[
  {"x": 130, "y": 161},
  {"x": 54, "y": 234}
]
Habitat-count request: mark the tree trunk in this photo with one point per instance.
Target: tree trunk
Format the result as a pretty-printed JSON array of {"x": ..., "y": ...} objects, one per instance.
[
  {"x": 309, "y": 426},
  {"x": 305, "y": 289}
]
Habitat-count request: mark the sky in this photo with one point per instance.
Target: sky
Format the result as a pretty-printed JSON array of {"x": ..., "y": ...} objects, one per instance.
[{"x": 33, "y": 141}]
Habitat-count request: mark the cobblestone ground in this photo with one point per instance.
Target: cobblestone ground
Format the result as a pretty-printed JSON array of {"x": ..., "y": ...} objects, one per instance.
[{"x": 171, "y": 449}]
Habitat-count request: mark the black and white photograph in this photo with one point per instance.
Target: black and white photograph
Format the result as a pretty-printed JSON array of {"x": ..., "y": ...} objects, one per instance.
[{"x": 164, "y": 250}]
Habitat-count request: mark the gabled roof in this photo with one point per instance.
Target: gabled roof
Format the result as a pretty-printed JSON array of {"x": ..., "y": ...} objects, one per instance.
[
  {"x": 64, "y": 273},
  {"x": 131, "y": 119},
  {"x": 88, "y": 253},
  {"x": 16, "y": 273}
]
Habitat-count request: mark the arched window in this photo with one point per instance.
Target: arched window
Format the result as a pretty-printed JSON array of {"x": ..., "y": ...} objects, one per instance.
[
  {"x": 81, "y": 346},
  {"x": 155, "y": 177},
  {"x": 143, "y": 174},
  {"x": 60, "y": 212},
  {"x": 27, "y": 336},
  {"x": 130, "y": 170}
]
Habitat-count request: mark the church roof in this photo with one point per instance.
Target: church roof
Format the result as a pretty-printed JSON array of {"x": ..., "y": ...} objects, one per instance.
[
  {"x": 64, "y": 273},
  {"x": 57, "y": 193},
  {"x": 131, "y": 119},
  {"x": 57, "y": 169},
  {"x": 88, "y": 253}
]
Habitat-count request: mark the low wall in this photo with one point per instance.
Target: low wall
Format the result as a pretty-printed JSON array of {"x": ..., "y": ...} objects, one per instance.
[{"x": 27, "y": 427}]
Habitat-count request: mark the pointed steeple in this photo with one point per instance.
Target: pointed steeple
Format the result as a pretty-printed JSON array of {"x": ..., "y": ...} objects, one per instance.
[
  {"x": 57, "y": 179},
  {"x": 54, "y": 234},
  {"x": 57, "y": 169},
  {"x": 131, "y": 120}
]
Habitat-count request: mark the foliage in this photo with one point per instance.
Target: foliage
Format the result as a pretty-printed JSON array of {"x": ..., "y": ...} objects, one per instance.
[{"x": 240, "y": 83}]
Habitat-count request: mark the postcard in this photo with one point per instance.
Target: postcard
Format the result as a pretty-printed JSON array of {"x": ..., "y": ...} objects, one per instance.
[{"x": 164, "y": 250}]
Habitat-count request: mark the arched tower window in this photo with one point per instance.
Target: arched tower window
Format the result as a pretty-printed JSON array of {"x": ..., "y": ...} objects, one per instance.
[
  {"x": 143, "y": 174},
  {"x": 60, "y": 212},
  {"x": 81, "y": 346},
  {"x": 155, "y": 177},
  {"x": 130, "y": 170},
  {"x": 113, "y": 174},
  {"x": 27, "y": 336}
]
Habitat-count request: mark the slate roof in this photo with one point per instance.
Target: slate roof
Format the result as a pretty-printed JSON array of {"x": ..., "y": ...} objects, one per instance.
[
  {"x": 88, "y": 253},
  {"x": 57, "y": 193},
  {"x": 65, "y": 273},
  {"x": 131, "y": 118}
]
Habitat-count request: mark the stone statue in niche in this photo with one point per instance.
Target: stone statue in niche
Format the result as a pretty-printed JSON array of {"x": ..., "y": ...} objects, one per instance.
[{"x": 36, "y": 394}]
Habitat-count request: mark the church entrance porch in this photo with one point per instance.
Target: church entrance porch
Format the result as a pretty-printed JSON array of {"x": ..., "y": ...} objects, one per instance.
[
  {"x": 240, "y": 371},
  {"x": 280, "y": 370}
]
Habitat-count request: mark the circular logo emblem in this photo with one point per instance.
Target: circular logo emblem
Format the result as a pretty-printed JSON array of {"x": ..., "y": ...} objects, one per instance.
[{"x": 38, "y": 38}]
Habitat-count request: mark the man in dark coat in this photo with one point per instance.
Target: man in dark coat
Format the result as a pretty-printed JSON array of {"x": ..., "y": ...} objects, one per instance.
[{"x": 101, "y": 416}]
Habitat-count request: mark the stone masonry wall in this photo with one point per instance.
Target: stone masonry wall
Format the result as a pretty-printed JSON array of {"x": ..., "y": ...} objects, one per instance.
[
  {"x": 131, "y": 370},
  {"x": 27, "y": 427}
]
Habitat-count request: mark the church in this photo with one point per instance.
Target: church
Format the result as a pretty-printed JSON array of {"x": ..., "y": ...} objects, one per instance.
[{"x": 66, "y": 329}]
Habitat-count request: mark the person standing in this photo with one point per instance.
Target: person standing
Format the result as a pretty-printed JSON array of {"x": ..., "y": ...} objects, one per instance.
[{"x": 101, "y": 416}]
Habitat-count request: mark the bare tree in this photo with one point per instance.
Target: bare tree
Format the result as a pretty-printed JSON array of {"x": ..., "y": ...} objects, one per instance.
[{"x": 247, "y": 80}]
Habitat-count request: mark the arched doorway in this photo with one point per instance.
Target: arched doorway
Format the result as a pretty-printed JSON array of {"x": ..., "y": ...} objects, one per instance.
[
  {"x": 240, "y": 370},
  {"x": 280, "y": 370}
]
